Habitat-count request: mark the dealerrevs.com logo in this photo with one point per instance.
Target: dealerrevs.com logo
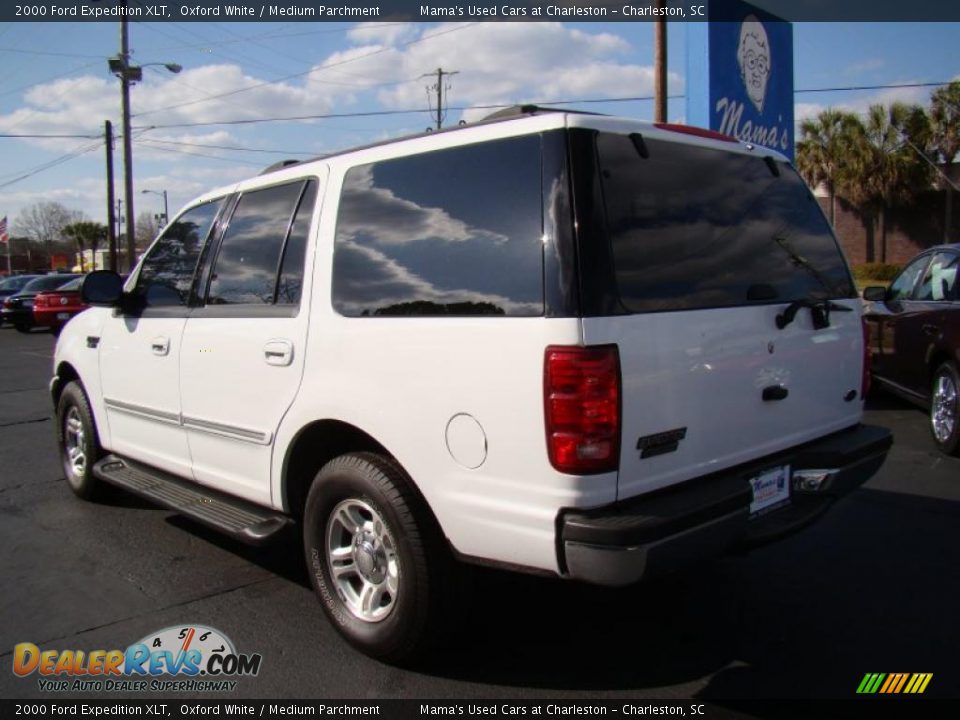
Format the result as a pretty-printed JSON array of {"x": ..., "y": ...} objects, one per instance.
[{"x": 187, "y": 658}]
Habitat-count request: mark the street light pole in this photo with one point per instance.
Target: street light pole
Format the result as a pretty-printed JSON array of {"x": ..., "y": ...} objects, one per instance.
[{"x": 166, "y": 209}]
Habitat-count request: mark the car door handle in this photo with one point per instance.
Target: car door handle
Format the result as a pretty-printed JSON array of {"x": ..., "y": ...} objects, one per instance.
[
  {"x": 929, "y": 330},
  {"x": 160, "y": 345},
  {"x": 278, "y": 352}
]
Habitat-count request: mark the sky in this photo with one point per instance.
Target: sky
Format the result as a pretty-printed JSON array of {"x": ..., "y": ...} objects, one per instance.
[{"x": 54, "y": 80}]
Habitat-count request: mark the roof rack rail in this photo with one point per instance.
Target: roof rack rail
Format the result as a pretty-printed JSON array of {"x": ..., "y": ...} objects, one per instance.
[
  {"x": 279, "y": 165},
  {"x": 529, "y": 109}
]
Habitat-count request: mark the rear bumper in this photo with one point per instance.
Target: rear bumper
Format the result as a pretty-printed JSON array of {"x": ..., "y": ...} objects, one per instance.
[{"x": 625, "y": 542}]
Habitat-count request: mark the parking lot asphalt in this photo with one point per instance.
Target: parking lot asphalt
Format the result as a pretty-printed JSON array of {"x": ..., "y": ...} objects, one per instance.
[{"x": 872, "y": 587}]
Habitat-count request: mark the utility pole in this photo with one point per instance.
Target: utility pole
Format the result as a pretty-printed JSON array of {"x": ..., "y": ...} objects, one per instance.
[
  {"x": 129, "y": 74},
  {"x": 660, "y": 67},
  {"x": 440, "y": 89},
  {"x": 127, "y": 141},
  {"x": 111, "y": 230},
  {"x": 119, "y": 224}
]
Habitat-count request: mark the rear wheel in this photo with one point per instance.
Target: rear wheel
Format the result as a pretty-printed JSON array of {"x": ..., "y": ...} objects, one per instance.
[
  {"x": 78, "y": 441},
  {"x": 22, "y": 326},
  {"x": 376, "y": 557},
  {"x": 944, "y": 405}
]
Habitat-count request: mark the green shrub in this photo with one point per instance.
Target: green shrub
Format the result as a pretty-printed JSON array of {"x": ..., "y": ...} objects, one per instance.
[{"x": 881, "y": 272}]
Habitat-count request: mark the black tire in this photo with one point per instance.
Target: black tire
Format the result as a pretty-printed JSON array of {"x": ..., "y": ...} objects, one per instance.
[
  {"x": 22, "y": 327},
  {"x": 945, "y": 409},
  {"x": 76, "y": 431},
  {"x": 371, "y": 487}
]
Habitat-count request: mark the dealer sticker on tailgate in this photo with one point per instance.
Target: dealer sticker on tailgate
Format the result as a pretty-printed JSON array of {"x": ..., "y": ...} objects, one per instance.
[{"x": 770, "y": 489}]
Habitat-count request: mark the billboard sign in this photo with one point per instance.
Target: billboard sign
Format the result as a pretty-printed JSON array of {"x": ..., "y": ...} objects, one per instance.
[{"x": 740, "y": 75}]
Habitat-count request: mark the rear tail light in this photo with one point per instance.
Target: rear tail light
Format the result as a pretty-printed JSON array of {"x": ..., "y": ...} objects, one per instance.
[
  {"x": 40, "y": 301},
  {"x": 867, "y": 360},
  {"x": 581, "y": 390}
]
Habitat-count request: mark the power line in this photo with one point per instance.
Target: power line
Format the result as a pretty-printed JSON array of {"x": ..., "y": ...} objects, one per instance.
[
  {"x": 891, "y": 86},
  {"x": 83, "y": 150},
  {"x": 379, "y": 113},
  {"x": 196, "y": 154},
  {"x": 53, "y": 54},
  {"x": 37, "y": 135},
  {"x": 226, "y": 147}
]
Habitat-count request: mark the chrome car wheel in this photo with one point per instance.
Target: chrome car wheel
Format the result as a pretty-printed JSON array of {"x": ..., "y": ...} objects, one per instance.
[
  {"x": 74, "y": 442},
  {"x": 943, "y": 411},
  {"x": 363, "y": 560}
]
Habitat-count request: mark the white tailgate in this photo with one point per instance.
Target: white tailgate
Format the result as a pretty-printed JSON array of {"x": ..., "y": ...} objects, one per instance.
[{"x": 705, "y": 371}]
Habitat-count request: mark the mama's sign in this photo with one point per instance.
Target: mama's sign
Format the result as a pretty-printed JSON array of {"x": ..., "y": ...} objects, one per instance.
[{"x": 740, "y": 75}]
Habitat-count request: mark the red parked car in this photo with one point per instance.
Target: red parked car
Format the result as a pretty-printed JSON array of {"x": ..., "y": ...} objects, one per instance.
[{"x": 53, "y": 308}]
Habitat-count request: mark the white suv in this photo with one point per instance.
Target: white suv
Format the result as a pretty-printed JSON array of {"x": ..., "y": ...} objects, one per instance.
[{"x": 558, "y": 343}]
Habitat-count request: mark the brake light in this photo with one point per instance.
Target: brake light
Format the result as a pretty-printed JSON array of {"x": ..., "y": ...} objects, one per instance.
[
  {"x": 40, "y": 301},
  {"x": 581, "y": 390},
  {"x": 698, "y": 132},
  {"x": 867, "y": 360}
]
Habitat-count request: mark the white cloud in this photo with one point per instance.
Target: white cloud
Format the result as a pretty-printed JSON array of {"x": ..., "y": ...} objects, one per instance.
[
  {"x": 380, "y": 33},
  {"x": 864, "y": 66}
]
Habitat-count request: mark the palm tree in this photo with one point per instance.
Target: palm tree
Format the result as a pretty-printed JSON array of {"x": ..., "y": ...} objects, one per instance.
[
  {"x": 86, "y": 233},
  {"x": 945, "y": 141},
  {"x": 824, "y": 149},
  {"x": 892, "y": 171}
]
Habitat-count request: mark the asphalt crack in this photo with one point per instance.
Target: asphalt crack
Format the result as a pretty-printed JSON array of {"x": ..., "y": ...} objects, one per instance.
[{"x": 24, "y": 422}]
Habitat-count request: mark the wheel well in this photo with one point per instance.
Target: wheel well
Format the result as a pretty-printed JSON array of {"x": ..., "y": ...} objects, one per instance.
[
  {"x": 315, "y": 446},
  {"x": 66, "y": 373}
]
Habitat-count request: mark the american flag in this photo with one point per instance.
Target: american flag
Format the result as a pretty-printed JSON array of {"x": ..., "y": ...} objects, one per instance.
[{"x": 4, "y": 237}]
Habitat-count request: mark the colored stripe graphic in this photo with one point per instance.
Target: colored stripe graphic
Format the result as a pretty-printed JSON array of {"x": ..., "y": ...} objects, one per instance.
[{"x": 894, "y": 683}]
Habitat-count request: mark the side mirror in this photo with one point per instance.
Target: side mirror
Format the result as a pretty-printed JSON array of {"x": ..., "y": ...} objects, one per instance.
[
  {"x": 103, "y": 288},
  {"x": 875, "y": 293}
]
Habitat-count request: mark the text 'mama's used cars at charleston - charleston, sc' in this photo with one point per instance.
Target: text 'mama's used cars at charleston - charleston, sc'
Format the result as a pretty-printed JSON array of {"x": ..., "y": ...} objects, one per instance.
[
  {"x": 553, "y": 342},
  {"x": 914, "y": 340}
]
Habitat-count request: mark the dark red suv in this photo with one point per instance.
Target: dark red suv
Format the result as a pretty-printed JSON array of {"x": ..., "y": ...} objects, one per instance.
[{"x": 914, "y": 328}]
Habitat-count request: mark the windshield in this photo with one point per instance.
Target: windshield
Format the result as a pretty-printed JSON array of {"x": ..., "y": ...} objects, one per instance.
[
  {"x": 694, "y": 227},
  {"x": 49, "y": 282}
]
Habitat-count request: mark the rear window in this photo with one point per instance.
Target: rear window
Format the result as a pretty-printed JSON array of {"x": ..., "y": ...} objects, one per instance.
[
  {"x": 693, "y": 227},
  {"x": 51, "y": 282}
]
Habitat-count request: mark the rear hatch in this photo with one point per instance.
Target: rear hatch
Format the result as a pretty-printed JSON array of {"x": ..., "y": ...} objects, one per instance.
[{"x": 689, "y": 250}]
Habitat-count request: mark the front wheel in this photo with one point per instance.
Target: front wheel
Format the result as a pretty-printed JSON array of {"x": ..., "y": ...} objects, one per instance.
[
  {"x": 78, "y": 441},
  {"x": 376, "y": 557},
  {"x": 944, "y": 420}
]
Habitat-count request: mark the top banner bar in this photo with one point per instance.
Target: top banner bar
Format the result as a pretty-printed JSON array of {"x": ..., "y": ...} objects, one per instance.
[{"x": 459, "y": 10}]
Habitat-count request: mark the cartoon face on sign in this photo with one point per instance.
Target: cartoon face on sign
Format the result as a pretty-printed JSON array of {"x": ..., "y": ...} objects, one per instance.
[{"x": 753, "y": 55}]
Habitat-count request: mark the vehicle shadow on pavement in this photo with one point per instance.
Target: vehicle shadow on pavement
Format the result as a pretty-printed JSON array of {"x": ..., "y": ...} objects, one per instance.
[
  {"x": 283, "y": 557},
  {"x": 870, "y": 588}
]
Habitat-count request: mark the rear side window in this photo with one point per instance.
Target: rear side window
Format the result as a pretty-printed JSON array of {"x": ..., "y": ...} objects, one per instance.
[
  {"x": 247, "y": 264},
  {"x": 692, "y": 227},
  {"x": 167, "y": 272},
  {"x": 451, "y": 232}
]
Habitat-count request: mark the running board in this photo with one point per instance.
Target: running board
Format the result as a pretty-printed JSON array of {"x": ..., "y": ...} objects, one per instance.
[{"x": 230, "y": 515}]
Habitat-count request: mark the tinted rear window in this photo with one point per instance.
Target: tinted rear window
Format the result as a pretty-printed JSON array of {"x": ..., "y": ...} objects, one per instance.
[
  {"x": 51, "y": 282},
  {"x": 451, "y": 232},
  {"x": 692, "y": 227}
]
